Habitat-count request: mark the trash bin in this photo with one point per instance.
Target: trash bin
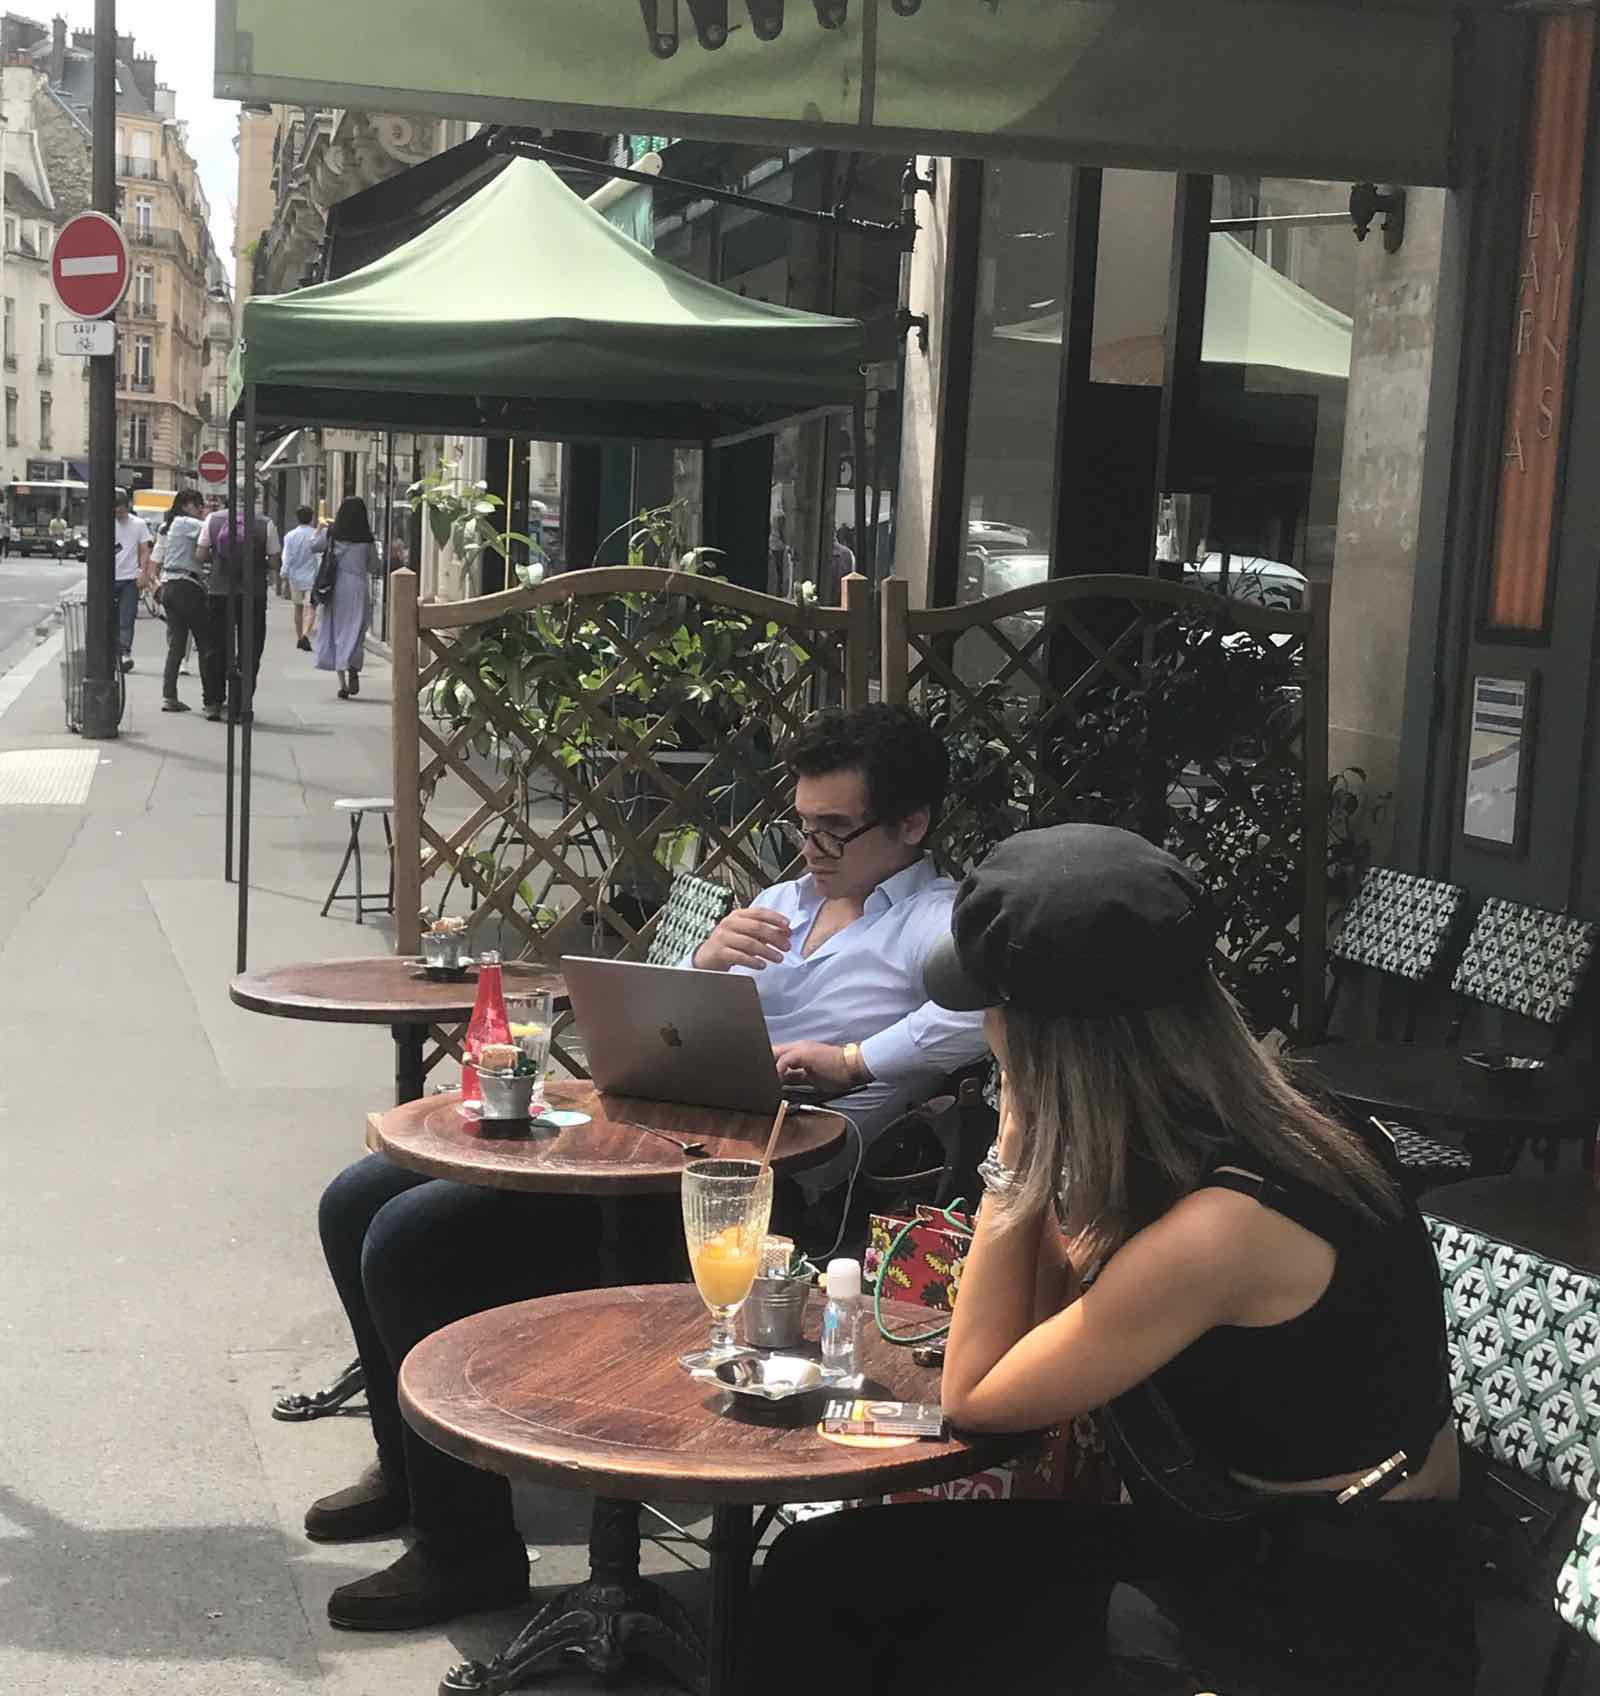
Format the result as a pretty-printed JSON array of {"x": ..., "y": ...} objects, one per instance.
[{"x": 74, "y": 654}]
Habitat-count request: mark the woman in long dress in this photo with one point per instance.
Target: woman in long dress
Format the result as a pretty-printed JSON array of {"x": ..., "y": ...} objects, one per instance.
[{"x": 342, "y": 631}]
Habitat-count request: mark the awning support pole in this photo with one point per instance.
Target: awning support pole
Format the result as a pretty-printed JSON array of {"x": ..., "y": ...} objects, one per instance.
[
  {"x": 230, "y": 620},
  {"x": 254, "y": 582}
]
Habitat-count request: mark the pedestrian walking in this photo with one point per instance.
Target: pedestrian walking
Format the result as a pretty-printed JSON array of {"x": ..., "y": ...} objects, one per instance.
[
  {"x": 5, "y": 536},
  {"x": 303, "y": 548},
  {"x": 237, "y": 568},
  {"x": 187, "y": 605},
  {"x": 132, "y": 571},
  {"x": 342, "y": 631}
]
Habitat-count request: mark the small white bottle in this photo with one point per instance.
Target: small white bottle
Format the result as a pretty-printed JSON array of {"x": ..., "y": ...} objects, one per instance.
[{"x": 841, "y": 1318}]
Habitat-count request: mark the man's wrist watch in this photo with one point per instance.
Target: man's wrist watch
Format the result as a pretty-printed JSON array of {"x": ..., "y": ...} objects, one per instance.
[
  {"x": 997, "y": 1178},
  {"x": 854, "y": 1065}
]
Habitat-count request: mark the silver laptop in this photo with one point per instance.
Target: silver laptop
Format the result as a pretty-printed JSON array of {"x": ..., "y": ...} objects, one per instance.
[{"x": 668, "y": 1033}]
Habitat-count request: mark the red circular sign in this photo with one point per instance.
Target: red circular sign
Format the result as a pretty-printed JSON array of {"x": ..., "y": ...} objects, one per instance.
[
  {"x": 214, "y": 466},
  {"x": 89, "y": 265}
]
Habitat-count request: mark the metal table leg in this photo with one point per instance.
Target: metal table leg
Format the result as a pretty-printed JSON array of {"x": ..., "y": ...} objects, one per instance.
[
  {"x": 604, "y": 1622},
  {"x": 410, "y": 1080}
]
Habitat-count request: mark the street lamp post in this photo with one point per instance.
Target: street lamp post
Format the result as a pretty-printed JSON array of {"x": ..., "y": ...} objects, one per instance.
[{"x": 101, "y": 660}]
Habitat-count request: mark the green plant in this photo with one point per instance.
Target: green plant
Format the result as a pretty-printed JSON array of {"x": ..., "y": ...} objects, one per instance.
[
  {"x": 654, "y": 538},
  {"x": 460, "y": 517}
]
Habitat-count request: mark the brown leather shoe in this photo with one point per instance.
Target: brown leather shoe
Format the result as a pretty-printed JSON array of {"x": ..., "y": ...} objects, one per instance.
[
  {"x": 370, "y": 1507},
  {"x": 425, "y": 1588}
]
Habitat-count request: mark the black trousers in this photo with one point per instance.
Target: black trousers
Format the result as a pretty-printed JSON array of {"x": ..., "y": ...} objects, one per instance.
[
  {"x": 410, "y": 1255},
  {"x": 189, "y": 610},
  {"x": 224, "y": 616},
  {"x": 957, "y": 1598}
]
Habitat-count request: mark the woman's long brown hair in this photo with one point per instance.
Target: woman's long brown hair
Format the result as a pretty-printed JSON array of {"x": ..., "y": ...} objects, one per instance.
[{"x": 1124, "y": 1113}]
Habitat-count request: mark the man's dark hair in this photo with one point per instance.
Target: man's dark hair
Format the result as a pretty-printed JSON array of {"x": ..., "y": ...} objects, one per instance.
[
  {"x": 304, "y": 514},
  {"x": 903, "y": 762}
]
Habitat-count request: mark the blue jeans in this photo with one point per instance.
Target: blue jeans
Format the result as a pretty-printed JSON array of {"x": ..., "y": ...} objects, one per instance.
[{"x": 127, "y": 612}]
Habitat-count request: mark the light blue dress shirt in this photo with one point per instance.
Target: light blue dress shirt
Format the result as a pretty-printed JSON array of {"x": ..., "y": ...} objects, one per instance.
[{"x": 864, "y": 985}]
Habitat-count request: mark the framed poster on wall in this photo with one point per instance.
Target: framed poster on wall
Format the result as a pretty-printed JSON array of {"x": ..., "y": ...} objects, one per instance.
[{"x": 1499, "y": 783}]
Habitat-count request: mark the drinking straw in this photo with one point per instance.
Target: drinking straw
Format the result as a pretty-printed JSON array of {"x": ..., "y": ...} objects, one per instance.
[{"x": 772, "y": 1141}]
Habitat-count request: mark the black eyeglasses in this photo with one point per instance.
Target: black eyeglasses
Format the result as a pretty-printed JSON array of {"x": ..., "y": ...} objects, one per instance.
[{"x": 831, "y": 844}]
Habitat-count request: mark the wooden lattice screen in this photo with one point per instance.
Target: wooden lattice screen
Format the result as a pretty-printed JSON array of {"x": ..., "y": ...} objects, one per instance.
[
  {"x": 1196, "y": 719},
  {"x": 561, "y": 751}
]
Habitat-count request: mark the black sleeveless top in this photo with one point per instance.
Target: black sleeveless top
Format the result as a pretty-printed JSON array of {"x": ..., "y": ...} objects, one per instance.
[{"x": 1362, "y": 1372}]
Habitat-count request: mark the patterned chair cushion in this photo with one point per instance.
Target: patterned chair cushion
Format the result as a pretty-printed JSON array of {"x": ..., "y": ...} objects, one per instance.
[
  {"x": 1427, "y": 1161},
  {"x": 1578, "y": 1587},
  {"x": 1526, "y": 960},
  {"x": 1399, "y": 924},
  {"x": 1524, "y": 1356},
  {"x": 695, "y": 907}
]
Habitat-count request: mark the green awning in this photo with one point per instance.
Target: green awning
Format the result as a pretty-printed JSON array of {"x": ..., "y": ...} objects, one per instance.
[{"x": 525, "y": 311}]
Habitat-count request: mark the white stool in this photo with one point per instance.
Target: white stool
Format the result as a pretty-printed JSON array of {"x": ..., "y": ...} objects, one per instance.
[{"x": 356, "y": 806}]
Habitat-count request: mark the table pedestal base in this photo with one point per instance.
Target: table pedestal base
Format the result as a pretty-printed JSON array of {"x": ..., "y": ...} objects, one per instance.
[
  {"x": 320, "y": 1403},
  {"x": 602, "y": 1623}
]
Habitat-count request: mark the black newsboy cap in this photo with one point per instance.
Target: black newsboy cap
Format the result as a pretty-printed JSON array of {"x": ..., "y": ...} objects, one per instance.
[{"x": 1080, "y": 919}]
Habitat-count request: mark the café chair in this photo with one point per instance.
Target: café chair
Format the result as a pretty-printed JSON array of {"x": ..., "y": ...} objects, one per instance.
[
  {"x": 1401, "y": 928},
  {"x": 1398, "y": 933},
  {"x": 693, "y": 909},
  {"x": 1524, "y": 1340}
]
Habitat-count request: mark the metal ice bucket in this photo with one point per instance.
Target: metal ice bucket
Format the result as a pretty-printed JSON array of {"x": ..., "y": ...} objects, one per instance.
[
  {"x": 445, "y": 953},
  {"x": 505, "y": 1095},
  {"x": 775, "y": 1311}
]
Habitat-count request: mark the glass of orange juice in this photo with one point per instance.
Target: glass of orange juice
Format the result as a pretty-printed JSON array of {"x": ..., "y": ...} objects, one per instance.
[{"x": 726, "y": 1207}]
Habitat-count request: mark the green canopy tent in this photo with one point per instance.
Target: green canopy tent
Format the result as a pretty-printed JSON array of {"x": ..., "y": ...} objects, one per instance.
[{"x": 522, "y": 312}]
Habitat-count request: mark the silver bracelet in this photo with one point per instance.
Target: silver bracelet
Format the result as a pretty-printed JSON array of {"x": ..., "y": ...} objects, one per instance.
[{"x": 996, "y": 1176}]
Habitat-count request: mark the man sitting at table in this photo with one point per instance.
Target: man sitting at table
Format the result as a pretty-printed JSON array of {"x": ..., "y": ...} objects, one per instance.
[
  {"x": 837, "y": 954},
  {"x": 838, "y": 957}
]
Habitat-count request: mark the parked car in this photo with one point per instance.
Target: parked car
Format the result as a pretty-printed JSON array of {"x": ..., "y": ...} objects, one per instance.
[
  {"x": 998, "y": 537},
  {"x": 1268, "y": 582}
]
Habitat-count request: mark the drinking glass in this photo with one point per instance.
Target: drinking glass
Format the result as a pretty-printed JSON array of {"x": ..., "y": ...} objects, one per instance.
[
  {"x": 726, "y": 1207},
  {"x": 529, "y": 1014}
]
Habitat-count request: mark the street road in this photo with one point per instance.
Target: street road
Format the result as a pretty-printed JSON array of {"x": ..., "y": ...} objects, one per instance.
[{"x": 29, "y": 590}]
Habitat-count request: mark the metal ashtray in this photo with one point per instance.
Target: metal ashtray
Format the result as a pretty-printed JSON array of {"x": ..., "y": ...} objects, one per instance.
[
  {"x": 1492, "y": 1060},
  {"x": 773, "y": 1377},
  {"x": 446, "y": 955}
]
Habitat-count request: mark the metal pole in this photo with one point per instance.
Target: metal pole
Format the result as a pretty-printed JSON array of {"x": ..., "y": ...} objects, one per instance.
[
  {"x": 226, "y": 637},
  {"x": 101, "y": 694},
  {"x": 255, "y": 586}
]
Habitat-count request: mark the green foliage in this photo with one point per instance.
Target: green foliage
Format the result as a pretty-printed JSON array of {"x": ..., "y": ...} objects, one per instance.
[{"x": 460, "y": 517}]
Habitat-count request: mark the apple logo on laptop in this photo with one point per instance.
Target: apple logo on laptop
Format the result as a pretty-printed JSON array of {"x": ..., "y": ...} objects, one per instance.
[{"x": 669, "y": 1035}]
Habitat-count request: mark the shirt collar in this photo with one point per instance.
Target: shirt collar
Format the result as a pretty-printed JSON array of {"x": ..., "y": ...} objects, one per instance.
[{"x": 893, "y": 890}]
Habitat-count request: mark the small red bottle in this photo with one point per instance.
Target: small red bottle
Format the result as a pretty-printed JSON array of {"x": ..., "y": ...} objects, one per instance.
[{"x": 488, "y": 1024}]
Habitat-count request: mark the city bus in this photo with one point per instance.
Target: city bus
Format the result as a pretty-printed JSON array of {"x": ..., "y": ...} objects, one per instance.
[{"x": 33, "y": 506}]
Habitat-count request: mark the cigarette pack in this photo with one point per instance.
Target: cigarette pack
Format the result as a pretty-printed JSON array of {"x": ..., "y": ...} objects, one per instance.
[{"x": 883, "y": 1419}]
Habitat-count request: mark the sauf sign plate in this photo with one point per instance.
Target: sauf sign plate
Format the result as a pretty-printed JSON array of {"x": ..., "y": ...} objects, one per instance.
[{"x": 83, "y": 338}]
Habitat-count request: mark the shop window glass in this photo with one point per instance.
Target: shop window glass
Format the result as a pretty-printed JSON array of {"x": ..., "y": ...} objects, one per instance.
[
  {"x": 1133, "y": 278},
  {"x": 1016, "y": 371},
  {"x": 1275, "y": 368}
]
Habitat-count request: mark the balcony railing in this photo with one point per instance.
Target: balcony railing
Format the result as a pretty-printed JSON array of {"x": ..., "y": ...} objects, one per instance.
[
  {"x": 139, "y": 385},
  {"x": 141, "y": 170},
  {"x": 139, "y": 308}
]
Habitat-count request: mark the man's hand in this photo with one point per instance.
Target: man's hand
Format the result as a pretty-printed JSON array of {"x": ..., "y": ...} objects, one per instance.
[
  {"x": 749, "y": 936},
  {"x": 819, "y": 1064}
]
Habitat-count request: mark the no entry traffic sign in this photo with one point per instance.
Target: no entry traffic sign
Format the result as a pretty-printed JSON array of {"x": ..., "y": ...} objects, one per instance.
[
  {"x": 214, "y": 466},
  {"x": 89, "y": 265}
]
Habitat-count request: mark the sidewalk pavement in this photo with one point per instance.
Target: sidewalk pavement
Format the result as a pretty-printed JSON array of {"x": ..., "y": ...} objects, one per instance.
[{"x": 161, "y": 1155}]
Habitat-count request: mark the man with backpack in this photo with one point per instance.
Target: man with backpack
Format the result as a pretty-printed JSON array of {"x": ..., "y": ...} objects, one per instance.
[{"x": 238, "y": 569}]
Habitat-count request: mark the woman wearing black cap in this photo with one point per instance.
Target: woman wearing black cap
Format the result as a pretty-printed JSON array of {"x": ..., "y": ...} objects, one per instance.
[{"x": 1169, "y": 1221}]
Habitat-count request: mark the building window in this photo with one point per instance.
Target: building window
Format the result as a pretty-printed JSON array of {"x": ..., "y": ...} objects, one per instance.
[
  {"x": 45, "y": 408},
  {"x": 144, "y": 288},
  {"x": 144, "y": 214},
  {"x": 143, "y": 362},
  {"x": 11, "y": 418},
  {"x": 11, "y": 334},
  {"x": 44, "y": 338},
  {"x": 138, "y": 437}
]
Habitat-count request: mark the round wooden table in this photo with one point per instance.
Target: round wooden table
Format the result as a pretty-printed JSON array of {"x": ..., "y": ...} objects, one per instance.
[
  {"x": 1557, "y": 1217},
  {"x": 1436, "y": 1087},
  {"x": 379, "y": 989},
  {"x": 584, "y": 1392},
  {"x": 382, "y": 989},
  {"x": 623, "y": 1149}
]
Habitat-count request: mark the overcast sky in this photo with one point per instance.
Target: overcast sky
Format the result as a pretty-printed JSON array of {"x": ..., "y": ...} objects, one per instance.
[{"x": 180, "y": 33}]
